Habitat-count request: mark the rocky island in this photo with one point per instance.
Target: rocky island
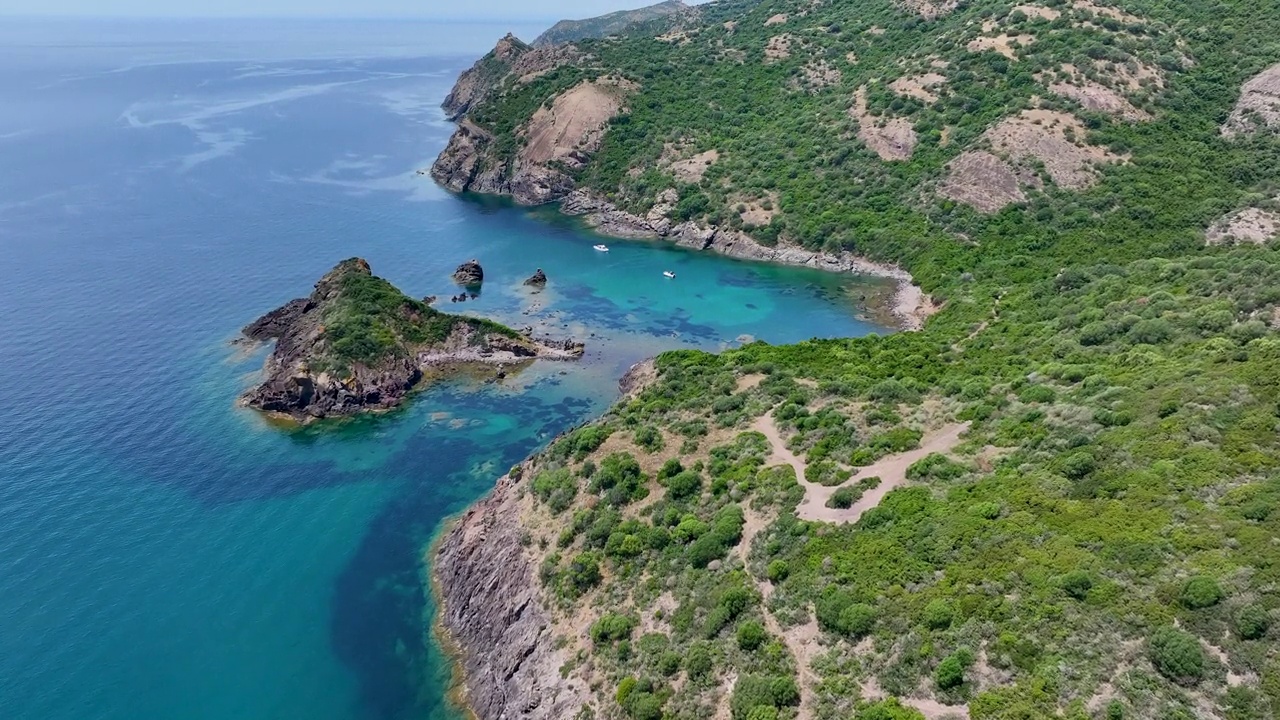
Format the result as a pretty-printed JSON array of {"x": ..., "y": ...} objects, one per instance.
[{"x": 358, "y": 344}]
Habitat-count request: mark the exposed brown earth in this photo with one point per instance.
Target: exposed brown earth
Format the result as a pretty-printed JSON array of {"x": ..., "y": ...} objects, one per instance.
[
  {"x": 1104, "y": 11},
  {"x": 1250, "y": 225},
  {"x": 1259, "y": 105},
  {"x": 779, "y": 19},
  {"x": 891, "y": 138},
  {"x": 1068, "y": 82},
  {"x": 820, "y": 74},
  {"x": 754, "y": 213},
  {"x": 1131, "y": 76},
  {"x": 1037, "y": 11},
  {"x": 983, "y": 181},
  {"x": 918, "y": 86},
  {"x": 575, "y": 122},
  {"x": 1055, "y": 139},
  {"x": 692, "y": 170},
  {"x": 778, "y": 47},
  {"x": 929, "y": 9},
  {"x": 1006, "y": 45}
]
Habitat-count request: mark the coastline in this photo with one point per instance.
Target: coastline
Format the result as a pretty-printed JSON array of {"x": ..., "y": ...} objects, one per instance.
[{"x": 910, "y": 307}]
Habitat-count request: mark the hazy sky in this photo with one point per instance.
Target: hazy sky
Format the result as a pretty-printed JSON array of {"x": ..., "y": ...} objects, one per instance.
[{"x": 441, "y": 9}]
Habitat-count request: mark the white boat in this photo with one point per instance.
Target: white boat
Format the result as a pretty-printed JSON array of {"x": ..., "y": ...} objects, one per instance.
[
  {"x": 668, "y": 273},
  {"x": 602, "y": 248}
]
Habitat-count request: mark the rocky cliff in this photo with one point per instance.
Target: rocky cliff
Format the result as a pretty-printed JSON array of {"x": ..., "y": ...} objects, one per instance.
[
  {"x": 652, "y": 18},
  {"x": 358, "y": 344},
  {"x": 493, "y": 612}
]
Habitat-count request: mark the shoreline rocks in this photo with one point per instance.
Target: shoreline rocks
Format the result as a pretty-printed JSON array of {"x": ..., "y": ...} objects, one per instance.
[
  {"x": 537, "y": 280},
  {"x": 469, "y": 274}
]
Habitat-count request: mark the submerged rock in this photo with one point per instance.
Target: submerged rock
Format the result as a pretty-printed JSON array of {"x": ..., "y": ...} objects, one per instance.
[{"x": 469, "y": 274}]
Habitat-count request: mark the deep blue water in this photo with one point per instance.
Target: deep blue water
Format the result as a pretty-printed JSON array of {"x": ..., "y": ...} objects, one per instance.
[{"x": 164, "y": 554}]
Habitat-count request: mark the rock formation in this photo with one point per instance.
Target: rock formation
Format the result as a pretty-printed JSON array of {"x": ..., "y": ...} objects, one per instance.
[
  {"x": 469, "y": 274},
  {"x": 357, "y": 344},
  {"x": 538, "y": 279}
]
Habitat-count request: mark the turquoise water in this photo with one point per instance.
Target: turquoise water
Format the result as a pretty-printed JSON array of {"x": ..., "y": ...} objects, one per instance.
[{"x": 164, "y": 554}]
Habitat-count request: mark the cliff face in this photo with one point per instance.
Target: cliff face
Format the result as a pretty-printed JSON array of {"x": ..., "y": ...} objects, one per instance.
[
  {"x": 358, "y": 344},
  {"x": 491, "y": 608}
]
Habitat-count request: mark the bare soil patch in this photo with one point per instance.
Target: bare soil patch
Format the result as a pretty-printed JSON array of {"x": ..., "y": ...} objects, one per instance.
[
  {"x": 892, "y": 471},
  {"x": 575, "y": 122},
  {"x": 1091, "y": 95},
  {"x": 778, "y": 47},
  {"x": 1055, "y": 139},
  {"x": 890, "y": 138},
  {"x": 919, "y": 86},
  {"x": 1131, "y": 76},
  {"x": 1259, "y": 105},
  {"x": 759, "y": 213},
  {"x": 929, "y": 9},
  {"x": 1104, "y": 11},
  {"x": 819, "y": 74},
  {"x": 1250, "y": 225},
  {"x": 1037, "y": 11},
  {"x": 982, "y": 181},
  {"x": 1006, "y": 45},
  {"x": 692, "y": 170},
  {"x": 750, "y": 382},
  {"x": 779, "y": 19}
]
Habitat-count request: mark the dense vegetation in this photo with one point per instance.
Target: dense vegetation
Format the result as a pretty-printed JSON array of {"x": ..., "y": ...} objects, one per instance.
[
  {"x": 369, "y": 321},
  {"x": 1103, "y": 544}
]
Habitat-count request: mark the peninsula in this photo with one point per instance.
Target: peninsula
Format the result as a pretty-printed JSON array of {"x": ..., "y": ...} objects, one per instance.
[{"x": 358, "y": 344}]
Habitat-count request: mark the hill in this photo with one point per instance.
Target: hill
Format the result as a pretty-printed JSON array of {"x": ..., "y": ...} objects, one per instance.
[
  {"x": 617, "y": 23},
  {"x": 1058, "y": 499}
]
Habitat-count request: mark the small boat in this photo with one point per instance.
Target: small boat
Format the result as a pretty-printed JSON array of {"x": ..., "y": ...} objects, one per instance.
[
  {"x": 602, "y": 248},
  {"x": 668, "y": 273}
]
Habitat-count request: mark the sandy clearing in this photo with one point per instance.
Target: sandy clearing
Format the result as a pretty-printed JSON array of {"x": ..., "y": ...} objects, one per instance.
[
  {"x": 750, "y": 382},
  {"x": 1233, "y": 679},
  {"x": 1251, "y": 225},
  {"x": 1056, "y": 139},
  {"x": 1113, "y": 13},
  {"x": 820, "y": 74},
  {"x": 779, "y": 19},
  {"x": 930, "y": 9},
  {"x": 892, "y": 471},
  {"x": 692, "y": 170},
  {"x": 1037, "y": 11},
  {"x": 1003, "y": 44},
  {"x": 892, "y": 138},
  {"x": 778, "y": 47},
  {"x": 918, "y": 86},
  {"x": 1093, "y": 96}
]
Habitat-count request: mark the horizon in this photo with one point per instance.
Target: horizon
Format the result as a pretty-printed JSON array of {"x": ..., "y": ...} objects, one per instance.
[{"x": 479, "y": 10}]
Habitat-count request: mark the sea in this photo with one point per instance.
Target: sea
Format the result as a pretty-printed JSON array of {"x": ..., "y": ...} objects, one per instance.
[{"x": 167, "y": 555}]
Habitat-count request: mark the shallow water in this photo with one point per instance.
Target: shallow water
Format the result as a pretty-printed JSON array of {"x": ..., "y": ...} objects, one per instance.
[{"x": 164, "y": 554}]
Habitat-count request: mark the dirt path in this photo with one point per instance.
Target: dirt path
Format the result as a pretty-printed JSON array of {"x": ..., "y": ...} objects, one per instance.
[
  {"x": 892, "y": 471},
  {"x": 801, "y": 640}
]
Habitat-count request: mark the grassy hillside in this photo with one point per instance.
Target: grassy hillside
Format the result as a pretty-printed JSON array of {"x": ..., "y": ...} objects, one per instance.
[
  {"x": 1101, "y": 542},
  {"x": 619, "y": 23}
]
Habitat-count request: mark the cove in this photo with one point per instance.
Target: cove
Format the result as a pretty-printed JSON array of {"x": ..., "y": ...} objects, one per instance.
[{"x": 165, "y": 554}]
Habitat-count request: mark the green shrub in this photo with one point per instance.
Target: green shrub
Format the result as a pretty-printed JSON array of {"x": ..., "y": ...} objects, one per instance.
[
  {"x": 1201, "y": 592},
  {"x": 751, "y": 635},
  {"x": 557, "y": 488},
  {"x": 1177, "y": 655},
  {"x": 896, "y": 440},
  {"x": 938, "y": 614},
  {"x": 777, "y": 571},
  {"x": 644, "y": 705},
  {"x": 857, "y": 620},
  {"x": 669, "y": 663},
  {"x": 684, "y": 485},
  {"x": 1252, "y": 622},
  {"x": 649, "y": 438},
  {"x": 888, "y": 709},
  {"x": 1037, "y": 394},
  {"x": 986, "y": 510},
  {"x": 582, "y": 574},
  {"x": 612, "y": 627},
  {"x": 1076, "y": 584},
  {"x": 844, "y": 498},
  {"x": 698, "y": 662},
  {"x": 950, "y": 672},
  {"x": 625, "y": 688}
]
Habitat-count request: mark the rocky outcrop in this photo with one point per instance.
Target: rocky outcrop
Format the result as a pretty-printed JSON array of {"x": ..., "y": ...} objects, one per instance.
[
  {"x": 653, "y": 19},
  {"x": 491, "y": 610},
  {"x": 538, "y": 279},
  {"x": 1258, "y": 107},
  {"x": 331, "y": 356},
  {"x": 469, "y": 274}
]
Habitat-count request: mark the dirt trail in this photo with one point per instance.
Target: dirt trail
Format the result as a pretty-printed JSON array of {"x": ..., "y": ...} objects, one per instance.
[
  {"x": 801, "y": 640},
  {"x": 892, "y": 471}
]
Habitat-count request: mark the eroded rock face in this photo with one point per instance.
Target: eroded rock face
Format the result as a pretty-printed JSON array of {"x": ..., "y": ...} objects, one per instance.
[
  {"x": 1259, "y": 105},
  {"x": 469, "y": 274},
  {"x": 490, "y": 606}
]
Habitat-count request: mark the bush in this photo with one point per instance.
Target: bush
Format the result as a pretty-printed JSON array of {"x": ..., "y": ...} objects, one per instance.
[
  {"x": 889, "y": 709},
  {"x": 950, "y": 672},
  {"x": 649, "y": 438},
  {"x": 845, "y": 497},
  {"x": 751, "y": 635},
  {"x": 1201, "y": 592},
  {"x": 938, "y": 614},
  {"x": 1252, "y": 622},
  {"x": 698, "y": 662},
  {"x": 1037, "y": 394},
  {"x": 857, "y": 620},
  {"x": 583, "y": 573},
  {"x": 1076, "y": 584},
  {"x": 612, "y": 627},
  {"x": 1177, "y": 655},
  {"x": 777, "y": 571},
  {"x": 644, "y": 706},
  {"x": 684, "y": 485}
]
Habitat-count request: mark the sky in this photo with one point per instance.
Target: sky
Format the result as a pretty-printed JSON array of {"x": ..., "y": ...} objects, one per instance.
[{"x": 427, "y": 9}]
